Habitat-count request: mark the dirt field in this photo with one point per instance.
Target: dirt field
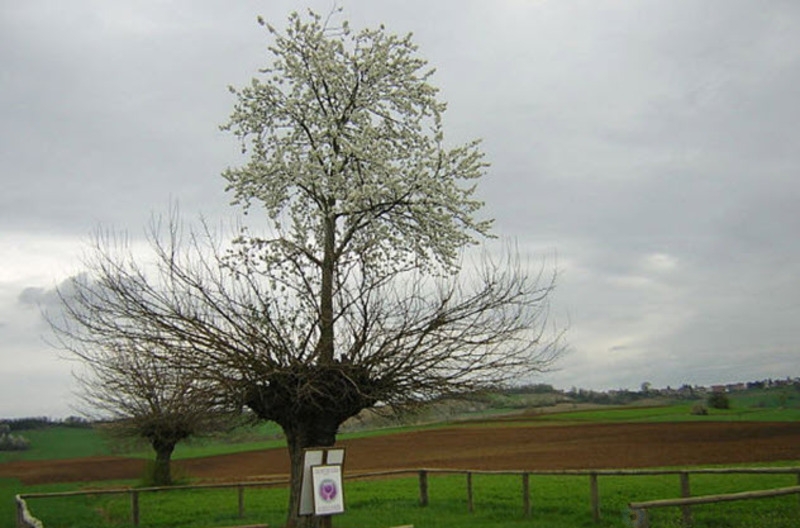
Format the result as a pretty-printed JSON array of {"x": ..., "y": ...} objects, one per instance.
[{"x": 514, "y": 446}]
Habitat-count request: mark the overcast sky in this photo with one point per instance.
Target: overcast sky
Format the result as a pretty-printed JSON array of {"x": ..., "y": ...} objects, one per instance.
[{"x": 653, "y": 146}]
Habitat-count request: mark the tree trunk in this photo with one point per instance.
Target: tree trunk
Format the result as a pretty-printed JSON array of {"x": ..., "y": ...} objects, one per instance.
[
  {"x": 310, "y": 403},
  {"x": 162, "y": 471},
  {"x": 304, "y": 433},
  {"x": 325, "y": 346}
]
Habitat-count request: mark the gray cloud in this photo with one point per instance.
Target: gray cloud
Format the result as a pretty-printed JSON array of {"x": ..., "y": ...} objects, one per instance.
[
  {"x": 651, "y": 146},
  {"x": 32, "y": 296}
]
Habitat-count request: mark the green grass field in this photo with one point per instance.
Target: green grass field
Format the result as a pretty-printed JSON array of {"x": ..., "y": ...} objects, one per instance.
[
  {"x": 58, "y": 442},
  {"x": 558, "y": 502},
  {"x": 53, "y": 443},
  {"x": 675, "y": 413}
]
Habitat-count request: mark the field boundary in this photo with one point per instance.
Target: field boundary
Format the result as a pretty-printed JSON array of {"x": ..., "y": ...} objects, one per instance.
[
  {"x": 26, "y": 520},
  {"x": 639, "y": 510},
  {"x": 24, "y": 517}
]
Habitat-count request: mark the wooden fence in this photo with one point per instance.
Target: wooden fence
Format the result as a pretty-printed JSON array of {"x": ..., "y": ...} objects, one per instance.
[
  {"x": 24, "y": 517},
  {"x": 25, "y": 520},
  {"x": 639, "y": 510}
]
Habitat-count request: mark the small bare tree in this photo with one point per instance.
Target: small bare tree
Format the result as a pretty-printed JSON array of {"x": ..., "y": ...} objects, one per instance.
[{"x": 127, "y": 383}]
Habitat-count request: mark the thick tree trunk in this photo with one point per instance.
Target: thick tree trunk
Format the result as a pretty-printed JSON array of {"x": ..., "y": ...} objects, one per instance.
[
  {"x": 162, "y": 470},
  {"x": 310, "y": 403},
  {"x": 311, "y": 431}
]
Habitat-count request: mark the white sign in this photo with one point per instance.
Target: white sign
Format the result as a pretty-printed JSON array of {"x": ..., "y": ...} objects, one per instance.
[
  {"x": 316, "y": 457},
  {"x": 328, "y": 491},
  {"x": 313, "y": 457}
]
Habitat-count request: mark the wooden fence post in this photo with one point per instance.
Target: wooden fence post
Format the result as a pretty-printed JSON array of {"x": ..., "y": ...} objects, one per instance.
[
  {"x": 240, "y": 492},
  {"x": 423, "y": 488},
  {"x": 595, "y": 497},
  {"x": 686, "y": 492},
  {"x": 798, "y": 483},
  {"x": 526, "y": 495},
  {"x": 470, "y": 505},
  {"x": 639, "y": 518},
  {"x": 135, "y": 508}
]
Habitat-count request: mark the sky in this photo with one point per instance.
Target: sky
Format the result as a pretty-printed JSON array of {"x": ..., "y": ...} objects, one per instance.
[{"x": 648, "y": 150}]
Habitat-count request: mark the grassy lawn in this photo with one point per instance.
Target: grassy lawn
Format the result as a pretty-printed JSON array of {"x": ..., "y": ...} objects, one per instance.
[
  {"x": 11, "y": 487},
  {"x": 558, "y": 502}
]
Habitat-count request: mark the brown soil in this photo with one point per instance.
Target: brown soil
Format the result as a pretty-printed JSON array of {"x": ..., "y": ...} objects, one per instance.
[{"x": 478, "y": 446}]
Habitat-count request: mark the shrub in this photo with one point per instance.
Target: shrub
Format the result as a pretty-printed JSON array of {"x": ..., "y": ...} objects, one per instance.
[
  {"x": 10, "y": 442},
  {"x": 719, "y": 400},
  {"x": 698, "y": 409}
]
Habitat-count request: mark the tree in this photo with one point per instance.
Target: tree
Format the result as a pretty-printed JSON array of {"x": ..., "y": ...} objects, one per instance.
[
  {"x": 356, "y": 295},
  {"x": 347, "y": 158},
  {"x": 128, "y": 384},
  {"x": 10, "y": 442},
  {"x": 719, "y": 400}
]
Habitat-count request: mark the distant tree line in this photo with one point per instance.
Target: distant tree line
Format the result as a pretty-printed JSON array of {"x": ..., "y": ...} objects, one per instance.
[
  {"x": 617, "y": 397},
  {"x": 41, "y": 422},
  {"x": 535, "y": 388},
  {"x": 770, "y": 383}
]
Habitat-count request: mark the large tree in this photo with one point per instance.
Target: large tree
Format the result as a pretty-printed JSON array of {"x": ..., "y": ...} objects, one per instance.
[
  {"x": 348, "y": 160},
  {"x": 355, "y": 294}
]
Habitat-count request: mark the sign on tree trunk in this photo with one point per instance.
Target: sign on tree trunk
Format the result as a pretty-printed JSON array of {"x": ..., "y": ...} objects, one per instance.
[
  {"x": 328, "y": 492},
  {"x": 311, "y": 498}
]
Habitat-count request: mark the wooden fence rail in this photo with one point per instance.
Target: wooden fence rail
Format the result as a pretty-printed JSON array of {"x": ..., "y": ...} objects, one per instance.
[
  {"x": 23, "y": 515},
  {"x": 639, "y": 510}
]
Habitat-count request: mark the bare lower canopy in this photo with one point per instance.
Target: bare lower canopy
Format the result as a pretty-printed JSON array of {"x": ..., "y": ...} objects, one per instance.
[{"x": 400, "y": 338}]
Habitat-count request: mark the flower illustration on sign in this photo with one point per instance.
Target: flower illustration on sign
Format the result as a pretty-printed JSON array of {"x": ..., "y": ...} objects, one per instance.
[{"x": 327, "y": 490}]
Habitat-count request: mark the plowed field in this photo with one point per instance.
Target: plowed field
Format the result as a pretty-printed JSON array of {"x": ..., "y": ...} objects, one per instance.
[{"x": 479, "y": 446}]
